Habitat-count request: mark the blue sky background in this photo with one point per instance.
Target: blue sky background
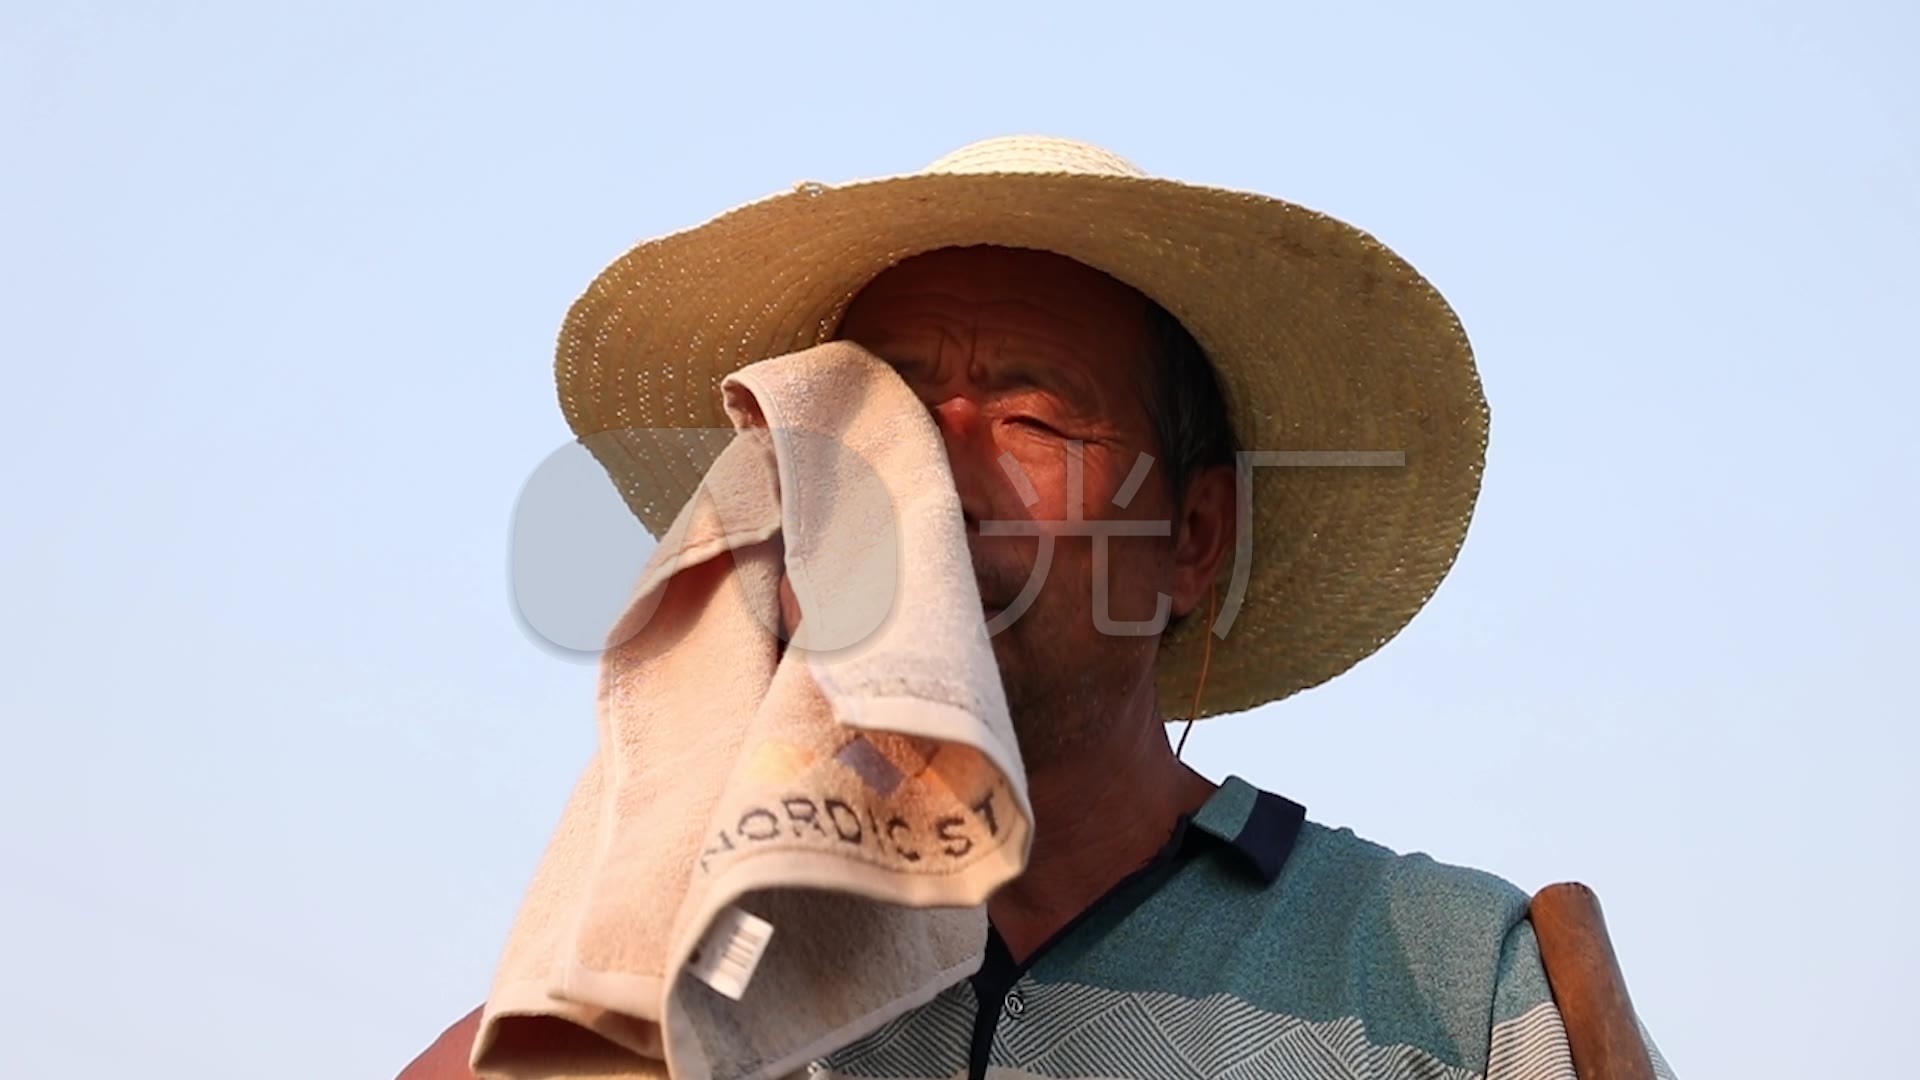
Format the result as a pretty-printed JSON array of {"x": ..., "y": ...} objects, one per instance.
[{"x": 278, "y": 290}]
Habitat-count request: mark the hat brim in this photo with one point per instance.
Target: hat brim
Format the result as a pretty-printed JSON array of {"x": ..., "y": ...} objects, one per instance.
[{"x": 1323, "y": 338}]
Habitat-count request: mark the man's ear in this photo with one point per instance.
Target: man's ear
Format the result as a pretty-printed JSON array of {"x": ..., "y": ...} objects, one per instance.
[{"x": 1203, "y": 536}]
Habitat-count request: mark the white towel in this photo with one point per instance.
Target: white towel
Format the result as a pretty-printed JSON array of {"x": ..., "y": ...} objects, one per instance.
[{"x": 860, "y": 791}]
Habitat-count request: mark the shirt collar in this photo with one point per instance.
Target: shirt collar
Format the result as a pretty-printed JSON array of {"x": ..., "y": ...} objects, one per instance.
[{"x": 1258, "y": 826}]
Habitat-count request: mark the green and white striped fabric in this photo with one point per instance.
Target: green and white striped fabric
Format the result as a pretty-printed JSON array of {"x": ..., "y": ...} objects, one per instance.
[{"x": 1256, "y": 945}]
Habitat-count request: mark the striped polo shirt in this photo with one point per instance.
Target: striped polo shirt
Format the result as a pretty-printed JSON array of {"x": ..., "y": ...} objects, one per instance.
[{"x": 1256, "y": 944}]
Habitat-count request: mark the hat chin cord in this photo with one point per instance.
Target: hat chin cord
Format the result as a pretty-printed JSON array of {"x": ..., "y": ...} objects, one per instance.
[{"x": 1206, "y": 660}]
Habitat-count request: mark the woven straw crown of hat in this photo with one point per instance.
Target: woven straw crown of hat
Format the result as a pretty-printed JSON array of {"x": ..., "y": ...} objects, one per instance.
[{"x": 1324, "y": 340}]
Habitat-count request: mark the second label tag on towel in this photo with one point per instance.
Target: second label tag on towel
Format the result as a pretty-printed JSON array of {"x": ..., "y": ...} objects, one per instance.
[{"x": 730, "y": 951}]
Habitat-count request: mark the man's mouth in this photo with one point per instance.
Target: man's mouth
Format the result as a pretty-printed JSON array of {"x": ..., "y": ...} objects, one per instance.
[
  {"x": 1000, "y": 575},
  {"x": 993, "y": 601}
]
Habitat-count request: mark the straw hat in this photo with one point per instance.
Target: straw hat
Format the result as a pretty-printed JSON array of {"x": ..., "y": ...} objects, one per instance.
[{"x": 1324, "y": 340}]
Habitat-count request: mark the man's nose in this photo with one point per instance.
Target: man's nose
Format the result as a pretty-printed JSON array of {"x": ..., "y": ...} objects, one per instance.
[
  {"x": 970, "y": 454},
  {"x": 957, "y": 416}
]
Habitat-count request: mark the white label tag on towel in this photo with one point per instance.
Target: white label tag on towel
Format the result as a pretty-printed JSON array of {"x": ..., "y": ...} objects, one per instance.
[{"x": 731, "y": 951}]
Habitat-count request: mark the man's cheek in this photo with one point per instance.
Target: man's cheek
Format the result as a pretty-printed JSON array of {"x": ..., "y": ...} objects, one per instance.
[
  {"x": 1132, "y": 578},
  {"x": 1069, "y": 586}
]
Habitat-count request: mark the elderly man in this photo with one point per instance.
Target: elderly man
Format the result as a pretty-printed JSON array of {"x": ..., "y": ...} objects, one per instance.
[{"x": 1301, "y": 409}]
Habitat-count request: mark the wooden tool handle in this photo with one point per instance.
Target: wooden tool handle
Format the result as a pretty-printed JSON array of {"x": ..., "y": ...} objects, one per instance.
[{"x": 1587, "y": 985}]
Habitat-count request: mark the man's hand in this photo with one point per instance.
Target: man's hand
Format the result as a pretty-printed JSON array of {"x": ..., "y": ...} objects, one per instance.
[{"x": 447, "y": 1058}]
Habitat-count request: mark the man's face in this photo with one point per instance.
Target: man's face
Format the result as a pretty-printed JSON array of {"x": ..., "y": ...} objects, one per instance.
[{"x": 1018, "y": 355}]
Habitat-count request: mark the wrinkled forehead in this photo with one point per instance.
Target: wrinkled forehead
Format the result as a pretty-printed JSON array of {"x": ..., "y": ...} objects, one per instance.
[
  {"x": 993, "y": 276},
  {"x": 1008, "y": 321},
  {"x": 1009, "y": 295}
]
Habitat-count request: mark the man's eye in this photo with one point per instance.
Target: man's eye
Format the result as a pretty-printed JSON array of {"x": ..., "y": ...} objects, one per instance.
[{"x": 1034, "y": 423}]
